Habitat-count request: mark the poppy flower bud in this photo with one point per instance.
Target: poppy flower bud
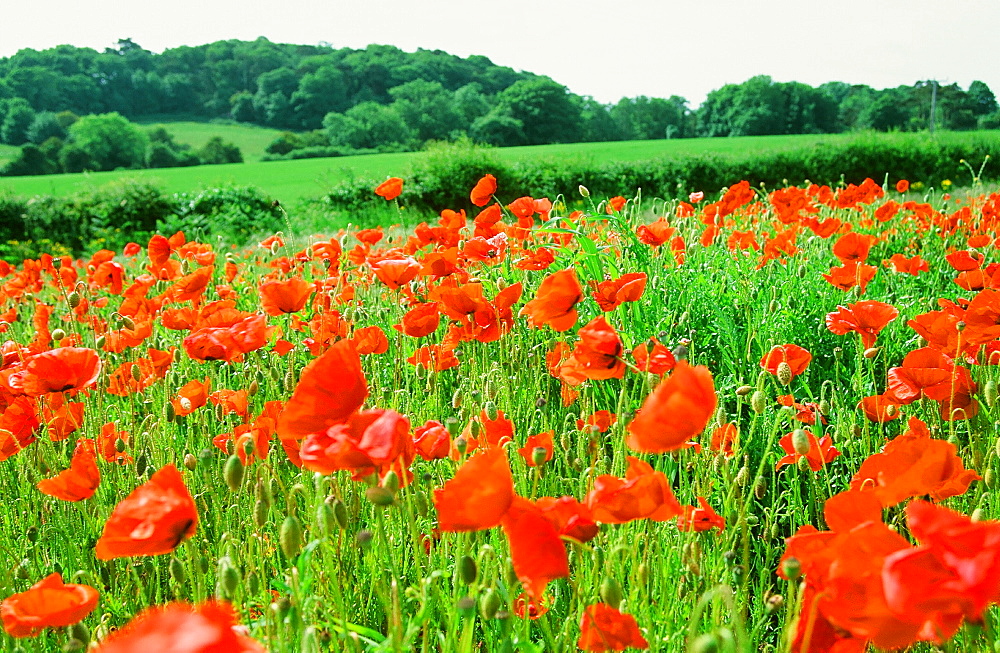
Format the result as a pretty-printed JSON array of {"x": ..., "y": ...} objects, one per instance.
[
  {"x": 140, "y": 465},
  {"x": 456, "y": 399},
  {"x": 598, "y": 554},
  {"x": 784, "y": 373},
  {"x": 79, "y": 632},
  {"x": 744, "y": 390},
  {"x": 800, "y": 442},
  {"x": 792, "y": 569},
  {"x": 339, "y": 512},
  {"x": 177, "y": 572},
  {"x": 364, "y": 538},
  {"x": 584, "y": 191},
  {"x": 229, "y": 578},
  {"x": 758, "y": 402},
  {"x": 774, "y": 603},
  {"x": 326, "y": 521},
  {"x": 742, "y": 477},
  {"x": 990, "y": 479},
  {"x": 704, "y": 643},
  {"x": 465, "y": 606},
  {"x": 490, "y": 409},
  {"x": 680, "y": 352},
  {"x": 260, "y": 510},
  {"x": 990, "y": 393},
  {"x": 871, "y": 352},
  {"x": 489, "y": 603},
  {"x": 233, "y": 472},
  {"x": 978, "y": 515},
  {"x": 803, "y": 465},
  {"x": 100, "y": 342},
  {"x": 467, "y": 571},
  {"x": 611, "y": 592},
  {"x": 824, "y": 407},
  {"x": 540, "y": 402},
  {"x": 380, "y": 496},
  {"x": 74, "y": 299},
  {"x": 290, "y": 537}
]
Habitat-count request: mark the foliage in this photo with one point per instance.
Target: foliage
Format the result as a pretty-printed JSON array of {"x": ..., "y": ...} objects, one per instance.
[{"x": 111, "y": 141}]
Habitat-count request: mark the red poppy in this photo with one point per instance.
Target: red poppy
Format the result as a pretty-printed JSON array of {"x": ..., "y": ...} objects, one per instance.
[
  {"x": 483, "y": 191},
  {"x": 555, "y": 302},
  {"x": 541, "y": 441},
  {"x": 614, "y": 292},
  {"x": 80, "y": 481},
  {"x": 570, "y": 517},
  {"x": 701, "y": 518},
  {"x": 182, "y": 628},
  {"x": 600, "y": 420},
  {"x": 914, "y": 265},
  {"x": 436, "y": 357},
  {"x": 902, "y": 186},
  {"x": 152, "y": 520},
  {"x": 370, "y": 340},
  {"x": 282, "y": 297},
  {"x": 643, "y": 494},
  {"x": 228, "y": 343},
  {"x": 656, "y": 233},
  {"x": 421, "y": 320},
  {"x": 60, "y": 370},
  {"x": 912, "y": 465},
  {"x": 536, "y": 551},
  {"x": 478, "y": 496},
  {"x": 798, "y": 359},
  {"x": 867, "y": 317},
  {"x": 597, "y": 355},
  {"x": 653, "y": 357},
  {"x": 604, "y": 628},
  {"x": 820, "y": 452},
  {"x": 367, "y": 441},
  {"x": 330, "y": 389},
  {"x": 853, "y": 246},
  {"x": 48, "y": 604},
  {"x": 432, "y": 440},
  {"x": 62, "y": 417},
  {"x": 676, "y": 411},
  {"x": 616, "y": 204},
  {"x": 390, "y": 188},
  {"x": 852, "y": 273},
  {"x": 725, "y": 439},
  {"x": 396, "y": 272}
]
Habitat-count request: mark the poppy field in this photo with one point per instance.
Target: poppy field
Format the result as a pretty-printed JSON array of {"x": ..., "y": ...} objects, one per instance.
[{"x": 749, "y": 421}]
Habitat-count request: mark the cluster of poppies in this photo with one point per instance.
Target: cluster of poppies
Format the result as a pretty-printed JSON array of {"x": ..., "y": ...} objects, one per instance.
[{"x": 105, "y": 314}]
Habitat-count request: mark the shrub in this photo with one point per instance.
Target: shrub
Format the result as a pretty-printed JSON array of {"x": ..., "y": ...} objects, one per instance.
[{"x": 235, "y": 213}]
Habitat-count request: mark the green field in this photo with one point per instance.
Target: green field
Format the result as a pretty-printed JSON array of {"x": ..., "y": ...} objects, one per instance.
[
  {"x": 251, "y": 139},
  {"x": 291, "y": 181}
]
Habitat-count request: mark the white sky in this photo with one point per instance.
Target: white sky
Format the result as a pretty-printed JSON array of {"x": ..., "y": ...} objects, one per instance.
[{"x": 606, "y": 49}]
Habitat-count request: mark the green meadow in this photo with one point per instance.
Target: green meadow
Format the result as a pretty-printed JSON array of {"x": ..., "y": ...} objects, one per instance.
[{"x": 292, "y": 181}]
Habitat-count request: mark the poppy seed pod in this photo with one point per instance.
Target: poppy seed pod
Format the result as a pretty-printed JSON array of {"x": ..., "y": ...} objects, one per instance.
[
  {"x": 467, "y": 571},
  {"x": 792, "y": 569},
  {"x": 538, "y": 456},
  {"x": 489, "y": 603},
  {"x": 611, "y": 592},
  {"x": 290, "y": 537},
  {"x": 990, "y": 393},
  {"x": 229, "y": 578},
  {"x": 260, "y": 510},
  {"x": 774, "y": 603},
  {"x": 391, "y": 481},
  {"x": 177, "y": 572},
  {"x": 380, "y": 496},
  {"x": 744, "y": 390},
  {"x": 58, "y": 334},
  {"x": 233, "y": 472},
  {"x": 800, "y": 442},
  {"x": 803, "y": 465},
  {"x": 74, "y": 299},
  {"x": 784, "y": 373},
  {"x": 491, "y": 411}
]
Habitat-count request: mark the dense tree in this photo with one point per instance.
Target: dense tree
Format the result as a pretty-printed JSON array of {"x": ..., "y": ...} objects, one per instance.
[
  {"x": 46, "y": 125},
  {"x": 217, "y": 150},
  {"x": 18, "y": 117},
  {"x": 319, "y": 93},
  {"x": 428, "y": 109},
  {"x": 547, "y": 111},
  {"x": 111, "y": 141}
]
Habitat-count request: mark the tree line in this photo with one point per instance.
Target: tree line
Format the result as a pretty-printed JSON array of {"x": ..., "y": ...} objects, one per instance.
[{"x": 342, "y": 101}]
